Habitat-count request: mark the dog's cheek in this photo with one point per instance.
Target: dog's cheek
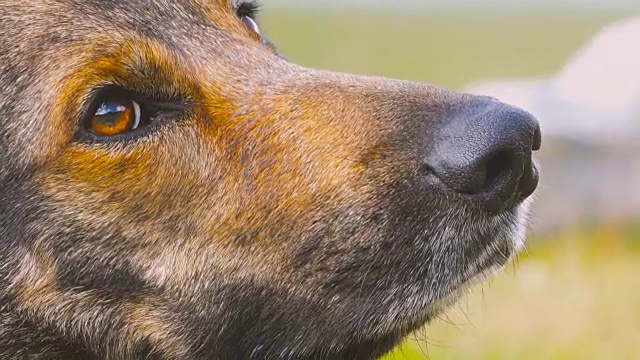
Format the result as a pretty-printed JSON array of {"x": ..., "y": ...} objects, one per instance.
[{"x": 160, "y": 205}]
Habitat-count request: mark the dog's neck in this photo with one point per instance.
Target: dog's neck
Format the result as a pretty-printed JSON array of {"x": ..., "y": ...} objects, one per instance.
[{"x": 20, "y": 339}]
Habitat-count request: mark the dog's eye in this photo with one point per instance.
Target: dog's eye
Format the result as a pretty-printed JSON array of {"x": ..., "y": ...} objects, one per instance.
[
  {"x": 115, "y": 117},
  {"x": 247, "y": 11},
  {"x": 251, "y": 24}
]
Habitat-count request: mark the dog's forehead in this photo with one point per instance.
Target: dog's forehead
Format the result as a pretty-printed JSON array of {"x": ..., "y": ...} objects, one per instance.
[
  {"x": 47, "y": 30},
  {"x": 160, "y": 19}
]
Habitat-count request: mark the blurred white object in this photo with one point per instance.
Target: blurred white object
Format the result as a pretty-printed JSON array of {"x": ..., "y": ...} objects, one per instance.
[
  {"x": 590, "y": 118},
  {"x": 595, "y": 98}
]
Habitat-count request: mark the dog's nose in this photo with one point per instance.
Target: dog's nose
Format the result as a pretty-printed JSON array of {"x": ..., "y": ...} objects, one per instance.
[{"x": 484, "y": 151}]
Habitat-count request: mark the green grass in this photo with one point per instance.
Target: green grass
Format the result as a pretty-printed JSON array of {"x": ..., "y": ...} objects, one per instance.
[
  {"x": 575, "y": 295},
  {"x": 449, "y": 49},
  {"x": 572, "y": 297}
]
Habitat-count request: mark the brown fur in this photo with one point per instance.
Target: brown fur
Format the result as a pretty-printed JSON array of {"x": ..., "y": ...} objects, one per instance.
[{"x": 271, "y": 212}]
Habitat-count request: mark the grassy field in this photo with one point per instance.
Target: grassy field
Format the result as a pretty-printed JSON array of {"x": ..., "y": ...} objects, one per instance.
[
  {"x": 449, "y": 49},
  {"x": 575, "y": 295}
]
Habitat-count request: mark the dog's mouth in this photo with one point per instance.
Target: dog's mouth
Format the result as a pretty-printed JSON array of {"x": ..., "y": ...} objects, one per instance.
[{"x": 504, "y": 239}]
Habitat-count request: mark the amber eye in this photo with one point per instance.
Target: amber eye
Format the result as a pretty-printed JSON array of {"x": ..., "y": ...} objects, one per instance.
[
  {"x": 251, "y": 24},
  {"x": 115, "y": 117}
]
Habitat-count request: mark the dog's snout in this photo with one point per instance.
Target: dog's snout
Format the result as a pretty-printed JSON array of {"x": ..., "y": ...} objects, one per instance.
[{"x": 484, "y": 151}]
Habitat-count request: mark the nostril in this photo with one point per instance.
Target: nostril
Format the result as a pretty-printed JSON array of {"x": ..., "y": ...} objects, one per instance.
[
  {"x": 537, "y": 140},
  {"x": 497, "y": 168},
  {"x": 502, "y": 175}
]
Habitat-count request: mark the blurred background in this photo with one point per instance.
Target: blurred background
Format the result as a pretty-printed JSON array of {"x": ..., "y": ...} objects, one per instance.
[{"x": 575, "y": 64}]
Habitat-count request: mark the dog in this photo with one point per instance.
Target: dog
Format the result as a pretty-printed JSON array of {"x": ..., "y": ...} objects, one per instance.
[{"x": 173, "y": 188}]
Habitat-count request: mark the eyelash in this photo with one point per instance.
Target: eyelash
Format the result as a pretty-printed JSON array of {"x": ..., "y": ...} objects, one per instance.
[
  {"x": 251, "y": 10},
  {"x": 248, "y": 8}
]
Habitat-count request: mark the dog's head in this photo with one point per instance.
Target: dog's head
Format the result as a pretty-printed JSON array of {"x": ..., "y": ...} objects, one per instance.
[{"x": 170, "y": 185}]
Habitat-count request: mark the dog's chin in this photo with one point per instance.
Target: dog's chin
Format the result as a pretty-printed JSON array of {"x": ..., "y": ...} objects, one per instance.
[
  {"x": 510, "y": 229},
  {"x": 413, "y": 312}
]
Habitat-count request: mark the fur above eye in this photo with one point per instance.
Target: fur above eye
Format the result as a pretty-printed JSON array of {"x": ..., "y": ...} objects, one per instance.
[{"x": 116, "y": 116}]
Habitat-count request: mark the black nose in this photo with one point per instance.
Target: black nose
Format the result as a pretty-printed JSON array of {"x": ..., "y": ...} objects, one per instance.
[{"x": 484, "y": 152}]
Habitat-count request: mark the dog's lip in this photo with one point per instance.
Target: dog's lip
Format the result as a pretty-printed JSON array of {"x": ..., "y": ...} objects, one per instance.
[
  {"x": 496, "y": 257},
  {"x": 491, "y": 266},
  {"x": 502, "y": 237},
  {"x": 503, "y": 242}
]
